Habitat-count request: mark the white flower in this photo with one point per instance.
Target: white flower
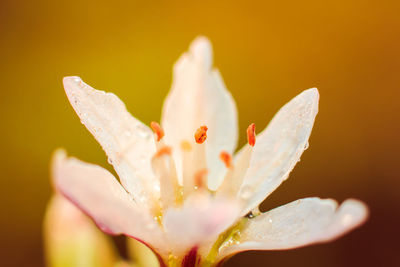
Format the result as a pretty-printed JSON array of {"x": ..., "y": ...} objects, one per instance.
[{"x": 183, "y": 194}]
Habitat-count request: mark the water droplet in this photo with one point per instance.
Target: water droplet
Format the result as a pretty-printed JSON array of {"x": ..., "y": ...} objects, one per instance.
[
  {"x": 141, "y": 131},
  {"x": 270, "y": 220},
  {"x": 246, "y": 192},
  {"x": 306, "y": 146},
  {"x": 250, "y": 215},
  {"x": 110, "y": 161}
]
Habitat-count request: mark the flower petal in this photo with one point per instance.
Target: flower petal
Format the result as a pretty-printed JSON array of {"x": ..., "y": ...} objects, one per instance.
[
  {"x": 299, "y": 223},
  {"x": 198, "y": 97},
  {"x": 279, "y": 147},
  {"x": 199, "y": 222},
  {"x": 96, "y": 192},
  {"x": 127, "y": 142},
  {"x": 71, "y": 238}
]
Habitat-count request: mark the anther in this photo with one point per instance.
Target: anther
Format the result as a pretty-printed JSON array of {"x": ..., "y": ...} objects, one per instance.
[
  {"x": 226, "y": 159},
  {"x": 157, "y": 130},
  {"x": 251, "y": 134},
  {"x": 201, "y": 134}
]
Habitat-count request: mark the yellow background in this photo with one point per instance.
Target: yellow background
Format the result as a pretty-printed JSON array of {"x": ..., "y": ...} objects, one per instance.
[{"x": 267, "y": 52}]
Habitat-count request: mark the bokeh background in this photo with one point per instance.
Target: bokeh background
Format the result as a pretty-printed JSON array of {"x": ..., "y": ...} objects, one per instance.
[{"x": 267, "y": 52}]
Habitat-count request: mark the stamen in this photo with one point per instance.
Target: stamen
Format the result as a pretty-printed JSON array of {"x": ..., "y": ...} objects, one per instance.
[
  {"x": 188, "y": 168},
  {"x": 165, "y": 150},
  {"x": 186, "y": 146},
  {"x": 234, "y": 176},
  {"x": 199, "y": 178},
  {"x": 251, "y": 134},
  {"x": 201, "y": 134},
  {"x": 226, "y": 159},
  {"x": 157, "y": 130},
  {"x": 164, "y": 168}
]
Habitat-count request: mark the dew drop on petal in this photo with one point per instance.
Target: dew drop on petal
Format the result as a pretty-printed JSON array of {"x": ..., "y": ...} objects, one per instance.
[
  {"x": 246, "y": 192},
  {"x": 306, "y": 146},
  {"x": 142, "y": 132}
]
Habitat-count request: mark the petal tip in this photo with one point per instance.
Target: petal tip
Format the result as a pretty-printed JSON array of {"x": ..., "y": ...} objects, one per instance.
[
  {"x": 71, "y": 79},
  {"x": 57, "y": 158},
  {"x": 58, "y": 155},
  {"x": 312, "y": 93},
  {"x": 355, "y": 212},
  {"x": 201, "y": 49}
]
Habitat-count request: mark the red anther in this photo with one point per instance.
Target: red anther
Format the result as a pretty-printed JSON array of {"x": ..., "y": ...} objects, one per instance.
[
  {"x": 157, "y": 130},
  {"x": 226, "y": 158},
  {"x": 165, "y": 150},
  {"x": 201, "y": 134},
  {"x": 251, "y": 134},
  {"x": 199, "y": 178}
]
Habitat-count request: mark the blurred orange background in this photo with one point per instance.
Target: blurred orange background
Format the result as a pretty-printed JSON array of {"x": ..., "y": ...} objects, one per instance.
[{"x": 267, "y": 52}]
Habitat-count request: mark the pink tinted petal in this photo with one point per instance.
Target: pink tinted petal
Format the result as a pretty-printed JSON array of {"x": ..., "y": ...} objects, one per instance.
[
  {"x": 199, "y": 222},
  {"x": 70, "y": 236},
  {"x": 96, "y": 192},
  {"x": 198, "y": 97},
  {"x": 279, "y": 147},
  {"x": 127, "y": 142},
  {"x": 299, "y": 223}
]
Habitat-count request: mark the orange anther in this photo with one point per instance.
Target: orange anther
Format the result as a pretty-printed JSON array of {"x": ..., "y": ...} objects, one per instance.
[
  {"x": 157, "y": 130},
  {"x": 201, "y": 134},
  {"x": 251, "y": 134},
  {"x": 199, "y": 178},
  {"x": 165, "y": 150},
  {"x": 226, "y": 158}
]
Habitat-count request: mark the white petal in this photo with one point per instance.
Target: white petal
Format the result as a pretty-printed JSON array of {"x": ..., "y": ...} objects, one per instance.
[
  {"x": 299, "y": 223},
  {"x": 127, "y": 142},
  {"x": 96, "y": 192},
  {"x": 198, "y": 97},
  {"x": 199, "y": 222},
  {"x": 279, "y": 147}
]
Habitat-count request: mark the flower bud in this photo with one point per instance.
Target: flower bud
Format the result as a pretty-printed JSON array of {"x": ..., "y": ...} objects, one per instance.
[{"x": 72, "y": 239}]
